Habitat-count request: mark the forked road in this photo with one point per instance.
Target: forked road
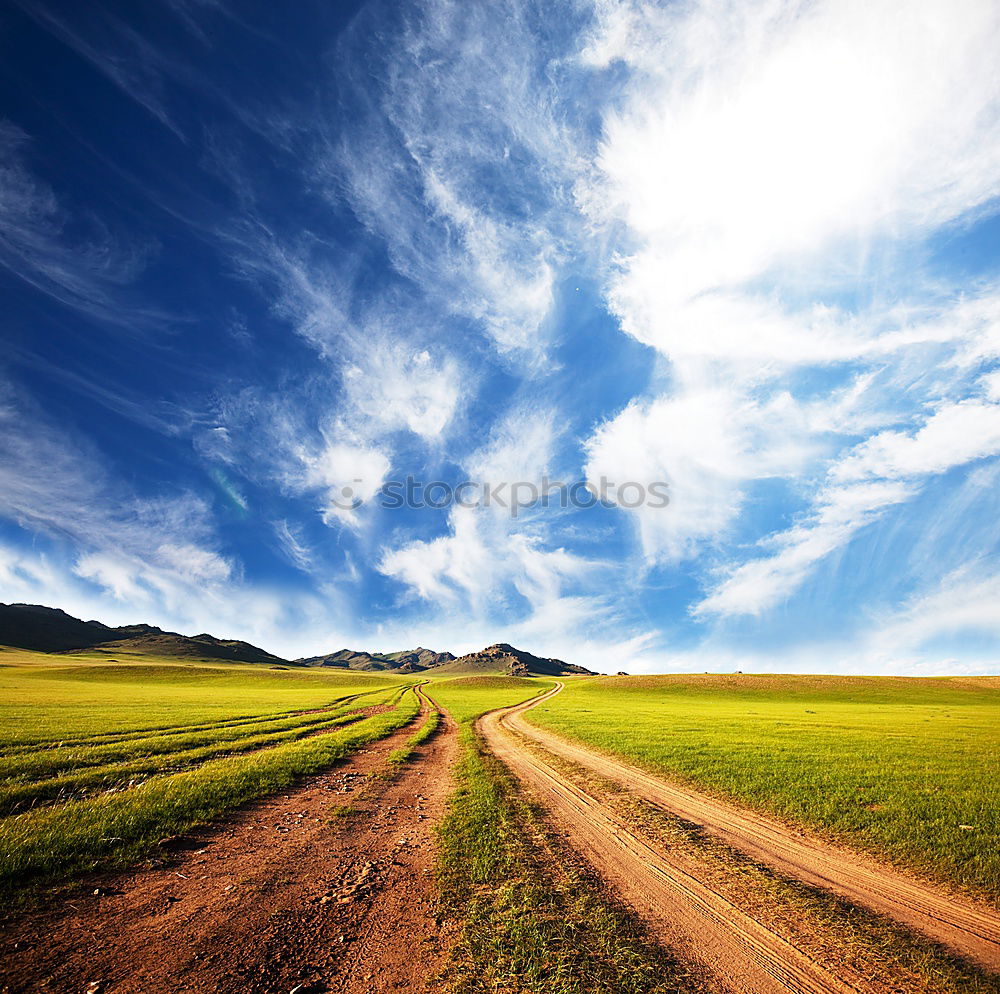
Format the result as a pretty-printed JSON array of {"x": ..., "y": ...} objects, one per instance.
[{"x": 740, "y": 952}]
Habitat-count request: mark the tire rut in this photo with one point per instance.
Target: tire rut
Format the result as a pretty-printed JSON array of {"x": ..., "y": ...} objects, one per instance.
[
  {"x": 738, "y": 953},
  {"x": 327, "y": 887},
  {"x": 970, "y": 930}
]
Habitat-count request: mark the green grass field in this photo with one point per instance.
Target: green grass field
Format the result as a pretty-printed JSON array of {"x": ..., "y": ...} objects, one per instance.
[
  {"x": 45, "y": 698},
  {"x": 101, "y": 759},
  {"x": 894, "y": 766}
]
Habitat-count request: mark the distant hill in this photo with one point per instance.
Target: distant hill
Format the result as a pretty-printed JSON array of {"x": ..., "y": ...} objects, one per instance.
[
  {"x": 421, "y": 658},
  {"x": 406, "y": 661},
  {"x": 204, "y": 646},
  {"x": 505, "y": 658},
  {"x": 49, "y": 629},
  {"x": 499, "y": 658}
]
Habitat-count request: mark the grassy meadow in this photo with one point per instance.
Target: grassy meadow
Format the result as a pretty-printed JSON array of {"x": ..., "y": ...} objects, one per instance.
[
  {"x": 903, "y": 768},
  {"x": 48, "y": 698},
  {"x": 101, "y": 759}
]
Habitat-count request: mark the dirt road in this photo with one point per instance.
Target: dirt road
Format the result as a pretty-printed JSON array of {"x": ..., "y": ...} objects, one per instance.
[
  {"x": 970, "y": 930},
  {"x": 739, "y": 953},
  {"x": 326, "y": 888}
]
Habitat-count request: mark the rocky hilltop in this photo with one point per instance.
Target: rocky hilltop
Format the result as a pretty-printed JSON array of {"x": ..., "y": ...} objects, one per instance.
[
  {"x": 499, "y": 658},
  {"x": 406, "y": 661},
  {"x": 505, "y": 658}
]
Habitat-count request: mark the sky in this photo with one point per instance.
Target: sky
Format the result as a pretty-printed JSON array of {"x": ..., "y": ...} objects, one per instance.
[{"x": 261, "y": 264}]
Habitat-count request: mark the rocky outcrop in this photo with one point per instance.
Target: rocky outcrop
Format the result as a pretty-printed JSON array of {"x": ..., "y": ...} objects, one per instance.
[{"x": 504, "y": 658}]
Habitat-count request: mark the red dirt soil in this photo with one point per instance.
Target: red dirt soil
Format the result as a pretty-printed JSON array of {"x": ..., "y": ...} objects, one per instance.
[{"x": 292, "y": 893}]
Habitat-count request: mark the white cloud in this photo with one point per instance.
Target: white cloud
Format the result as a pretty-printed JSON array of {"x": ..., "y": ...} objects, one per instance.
[
  {"x": 884, "y": 470},
  {"x": 839, "y": 514},
  {"x": 119, "y": 592},
  {"x": 292, "y": 545},
  {"x": 83, "y": 273},
  {"x": 461, "y": 165},
  {"x": 396, "y": 386},
  {"x": 135, "y": 65},
  {"x": 55, "y": 484},
  {"x": 389, "y": 364},
  {"x": 492, "y": 561},
  {"x": 521, "y": 447},
  {"x": 348, "y": 475},
  {"x": 963, "y": 603},
  {"x": 482, "y": 565},
  {"x": 753, "y": 132},
  {"x": 991, "y": 385},
  {"x": 515, "y": 290},
  {"x": 952, "y": 436},
  {"x": 706, "y": 444}
]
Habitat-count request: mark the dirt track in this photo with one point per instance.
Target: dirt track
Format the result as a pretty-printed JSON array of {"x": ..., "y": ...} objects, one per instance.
[
  {"x": 292, "y": 891},
  {"x": 739, "y": 953}
]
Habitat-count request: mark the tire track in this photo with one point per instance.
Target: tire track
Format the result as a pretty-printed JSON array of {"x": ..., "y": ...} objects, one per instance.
[
  {"x": 972, "y": 931},
  {"x": 327, "y": 886},
  {"x": 740, "y": 955}
]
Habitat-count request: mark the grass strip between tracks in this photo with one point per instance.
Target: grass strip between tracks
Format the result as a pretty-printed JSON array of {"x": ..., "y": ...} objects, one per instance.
[
  {"x": 422, "y": 734},
  {"x": 89, "y": 740},
  {"x": 127, "y": 775},
  {"x": 114, "y": 829},
  {"x": 531, "y": 920},
  {"x": 49, "y": 763}
]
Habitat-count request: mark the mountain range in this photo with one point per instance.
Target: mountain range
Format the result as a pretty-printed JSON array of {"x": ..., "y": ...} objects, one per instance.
[
  {"x": 407, "y": 661},
  {"x": 48, "y": 629}
]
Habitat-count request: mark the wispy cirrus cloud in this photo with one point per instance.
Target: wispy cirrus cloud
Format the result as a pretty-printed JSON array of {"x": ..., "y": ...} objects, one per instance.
[
  {"x": 958, "y": 605},
  {"x": 87, "y": 274},
  {"x": 387, "y": 370},
  {"x": 885, "y": 470},
  {"x": 293, "y": 545},
  {"x": 134, "y": 63},
  {"x": 839, "y": 513},
  {"x": 138, "y": 547},
  {"x": 461, "y": 163},
  {"x": 772, "y": 169}
]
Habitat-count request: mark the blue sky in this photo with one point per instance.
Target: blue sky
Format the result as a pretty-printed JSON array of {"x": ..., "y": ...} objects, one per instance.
[{"x": 251, "y": 256}]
